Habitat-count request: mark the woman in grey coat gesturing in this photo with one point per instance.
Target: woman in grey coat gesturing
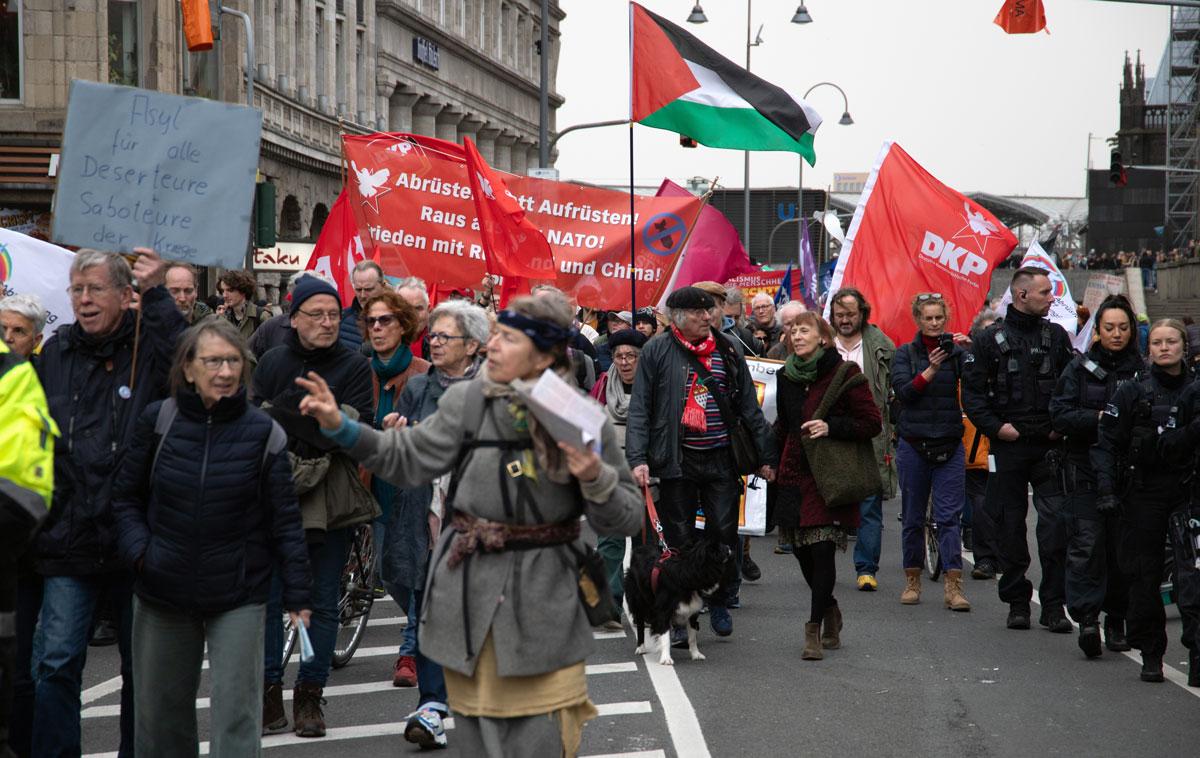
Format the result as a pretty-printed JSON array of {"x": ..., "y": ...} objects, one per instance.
[{"x": 502, "y": 613}]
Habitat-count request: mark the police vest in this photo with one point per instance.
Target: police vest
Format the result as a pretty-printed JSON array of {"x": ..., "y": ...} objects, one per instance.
[
  {"x": 1155, "y": 410},
  {"x": 1098, "y": 385},
  {"x": 1011, "y": 385}
]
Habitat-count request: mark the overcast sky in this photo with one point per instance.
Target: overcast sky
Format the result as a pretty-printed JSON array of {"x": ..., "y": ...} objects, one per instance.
[{"x": 980, "y": 109}]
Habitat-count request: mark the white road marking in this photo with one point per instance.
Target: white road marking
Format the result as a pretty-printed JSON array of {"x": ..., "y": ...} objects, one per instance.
[
  {"x": 103, "y": 689},
  {"x": 1171, "y": 673},
  {"x": 396, "y": 728}
]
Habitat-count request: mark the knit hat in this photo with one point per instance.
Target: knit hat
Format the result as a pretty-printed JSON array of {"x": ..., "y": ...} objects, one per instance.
[
  {"x": 690, "y": 298},
  {"x": 645, "y": 315},
  {"x": 631, "y": 337},
  {"x": 307, "y": 287}
]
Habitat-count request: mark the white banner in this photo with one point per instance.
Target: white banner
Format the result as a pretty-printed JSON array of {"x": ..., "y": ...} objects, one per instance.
[
  {"x": 30, "y": 266},
  {"x": 752, "y": 510},
  {"x": 1062, "y": 310}
]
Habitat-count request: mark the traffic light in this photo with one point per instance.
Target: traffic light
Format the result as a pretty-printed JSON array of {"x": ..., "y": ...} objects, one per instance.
[
  {"x": 686, "y": 141},
  {"x": 1116, "y": 171}
]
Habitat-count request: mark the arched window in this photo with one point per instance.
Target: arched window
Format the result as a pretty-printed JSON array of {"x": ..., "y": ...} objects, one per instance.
[
  {"x": 319, "y": 214},
  {"x": 290, "y": 225}
]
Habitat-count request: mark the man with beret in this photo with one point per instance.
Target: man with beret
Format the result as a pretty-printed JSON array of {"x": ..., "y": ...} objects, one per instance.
[
  {"x": 727, "y": 325},
  {"x": 684, "y": 376},
  {"x": 311, "y": 345}
]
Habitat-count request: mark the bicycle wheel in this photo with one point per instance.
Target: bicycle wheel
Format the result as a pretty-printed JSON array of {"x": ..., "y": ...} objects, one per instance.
[
  {"x": 357, "y": 598},
  {"x": 933, "y": 558}
]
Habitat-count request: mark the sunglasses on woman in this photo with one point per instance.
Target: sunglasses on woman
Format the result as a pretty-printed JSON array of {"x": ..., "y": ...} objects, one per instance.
[{"x": 384, "y": 321}]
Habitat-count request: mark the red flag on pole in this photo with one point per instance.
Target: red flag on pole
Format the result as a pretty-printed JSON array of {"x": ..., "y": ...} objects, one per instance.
[
  {"x": 513, "y": 245},
  {"x": 1021, "y": 17},
  {"x": 912, "y": 234},
  {"x": 338, "y": 248}
]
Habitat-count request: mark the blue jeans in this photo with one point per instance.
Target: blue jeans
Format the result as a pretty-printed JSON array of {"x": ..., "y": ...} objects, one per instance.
[
  {"x": 431, "y": 682},
  {"x": 947, "y": 481},
  {"x": 870, "y": 536},
  {"x": 326, "y": 561},
  {"x": 60, "y": 646}
]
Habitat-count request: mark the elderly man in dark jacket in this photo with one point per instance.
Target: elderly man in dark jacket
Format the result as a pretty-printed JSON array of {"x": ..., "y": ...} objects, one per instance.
[
  {"x": 95, "y": 391},
  {"x": 311, "y": 346},
  {"x": 676, "y": 430},
  {"x": 367, "y": 280}
]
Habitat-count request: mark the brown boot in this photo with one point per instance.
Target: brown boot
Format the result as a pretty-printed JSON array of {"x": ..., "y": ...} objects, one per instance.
[
  {"x": 955, "y": 600},
  {"x": 274, "y": 717},
  {"x": 912, "y": 587},
  {"x": 831, "y": 627},
  {"x": 308, "y": 719},
  {"x": 812, "y": 642}
]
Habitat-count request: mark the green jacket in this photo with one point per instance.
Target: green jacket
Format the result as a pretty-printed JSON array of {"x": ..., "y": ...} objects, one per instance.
[{"x": 878, "y": 351}]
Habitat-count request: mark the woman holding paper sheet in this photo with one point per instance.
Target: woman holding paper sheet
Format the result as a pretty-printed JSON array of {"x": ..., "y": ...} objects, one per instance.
[
  {"x": 502, "y": 612},
  {"x": 204, "y": 510}
]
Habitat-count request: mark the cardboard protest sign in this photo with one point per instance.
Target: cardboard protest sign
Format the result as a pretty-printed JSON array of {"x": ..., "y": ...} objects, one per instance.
[
  {"x": 760, "y": 281},
  {"x": 412, "y": 201},
  {"x": 146, "y": 169},
  {"x": 30, "y": 266}
]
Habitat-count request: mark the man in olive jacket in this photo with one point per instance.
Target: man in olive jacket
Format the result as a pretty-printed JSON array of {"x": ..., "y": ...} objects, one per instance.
[
  {"x": 676, "y": 431},
  {"x": 864, "y": 343}
]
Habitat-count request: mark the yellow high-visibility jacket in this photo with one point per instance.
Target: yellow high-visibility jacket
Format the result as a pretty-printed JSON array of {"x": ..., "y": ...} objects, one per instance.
[{"x": 27, "y": 434}]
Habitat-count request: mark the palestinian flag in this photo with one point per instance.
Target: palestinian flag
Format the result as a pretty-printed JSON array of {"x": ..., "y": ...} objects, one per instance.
[{"x": 682, "y": 85}]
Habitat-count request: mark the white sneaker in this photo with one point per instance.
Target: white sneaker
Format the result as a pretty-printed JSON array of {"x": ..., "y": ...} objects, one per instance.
[{"x": 424, "y": 728}]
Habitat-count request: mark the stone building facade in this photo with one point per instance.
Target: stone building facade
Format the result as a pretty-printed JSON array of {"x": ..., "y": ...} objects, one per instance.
[{"x": 445, "y": 68}]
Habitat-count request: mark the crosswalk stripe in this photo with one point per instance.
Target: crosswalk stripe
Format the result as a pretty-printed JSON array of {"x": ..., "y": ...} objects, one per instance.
[
  {"x": 342, "y": 690},
  {"x": 396, "y": 728}
]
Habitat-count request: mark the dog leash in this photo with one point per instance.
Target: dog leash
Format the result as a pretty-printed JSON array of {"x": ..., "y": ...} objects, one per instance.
[{"x": 654, "y": 522}]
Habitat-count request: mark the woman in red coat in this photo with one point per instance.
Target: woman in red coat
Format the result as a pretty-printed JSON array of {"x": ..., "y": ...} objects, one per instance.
[{"x": 820, "y": 530}]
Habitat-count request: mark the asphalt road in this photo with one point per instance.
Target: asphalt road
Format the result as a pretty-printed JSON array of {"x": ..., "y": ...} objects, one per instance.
[{"x": 909, "y": 680}]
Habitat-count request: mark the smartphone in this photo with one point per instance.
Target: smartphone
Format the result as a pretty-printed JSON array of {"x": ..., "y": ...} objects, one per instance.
[{"x": 946, "y": 343}]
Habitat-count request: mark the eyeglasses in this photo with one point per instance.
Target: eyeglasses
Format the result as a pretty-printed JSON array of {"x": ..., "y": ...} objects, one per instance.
[
  {"x": 442, "y": 337},
  {"x": 624, "y": 357},
  {"x": 214, "y": 364},
  {"x": 928, "y": 296},
  {"x": 95, "y": 290},
  {"x": 384, "y": 321},
  {"x": 320, "y": 316}
]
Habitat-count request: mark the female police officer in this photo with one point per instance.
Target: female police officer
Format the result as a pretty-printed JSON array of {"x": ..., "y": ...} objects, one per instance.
[
  {"x": 1094, "y": 580},
  {"x": 1126, "y": 462}
]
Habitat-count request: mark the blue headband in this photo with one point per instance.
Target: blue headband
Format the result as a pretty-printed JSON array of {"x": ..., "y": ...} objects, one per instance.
[{"x": 544, "y": 334}]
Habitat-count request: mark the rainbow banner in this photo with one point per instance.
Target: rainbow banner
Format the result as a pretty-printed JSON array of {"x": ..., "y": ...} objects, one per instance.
[{"x": 31, "y": 266}]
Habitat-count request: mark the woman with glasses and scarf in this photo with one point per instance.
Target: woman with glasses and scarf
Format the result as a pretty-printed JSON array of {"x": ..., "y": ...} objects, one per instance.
[
  {"x": 457, "y": 330},
  {"x": 612, "y": 390},
  {"x": 502, "y": 611}
]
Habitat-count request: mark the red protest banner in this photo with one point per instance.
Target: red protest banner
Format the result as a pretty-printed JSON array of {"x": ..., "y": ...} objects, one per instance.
[
  {"x": 412, "y": 201},
  {"x": 338, "y": 248},
  {"x": 913, "y": 234}
]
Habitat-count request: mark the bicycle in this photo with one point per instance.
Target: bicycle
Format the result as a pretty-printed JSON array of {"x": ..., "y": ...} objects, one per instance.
[
  {"x": 933, "y": 557},
  {"x": 354, "y": 604}
]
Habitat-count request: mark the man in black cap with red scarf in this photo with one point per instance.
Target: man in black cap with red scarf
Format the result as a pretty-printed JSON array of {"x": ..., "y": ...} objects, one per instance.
[{"x": 678, "y": 433}]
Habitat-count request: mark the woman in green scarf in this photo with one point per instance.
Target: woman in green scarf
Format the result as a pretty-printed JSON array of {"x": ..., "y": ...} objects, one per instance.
[{"x": 820, "y": 529}]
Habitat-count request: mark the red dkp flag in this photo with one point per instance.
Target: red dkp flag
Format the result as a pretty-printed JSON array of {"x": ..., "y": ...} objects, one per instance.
[
  {"x": 913, "y": 234},
  {"x": 513, "y": 245},
  {"x": 1021, "y": 17},
  {"x": 338, "y": 248}
]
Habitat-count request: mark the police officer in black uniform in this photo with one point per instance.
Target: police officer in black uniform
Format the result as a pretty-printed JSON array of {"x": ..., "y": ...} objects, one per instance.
[
  {"x": 1180, "y": 443},
  {"x": 1006, "y": 394},
  {"x": 1094, "y": 579},
  {"x": 1132, "y": 477}
]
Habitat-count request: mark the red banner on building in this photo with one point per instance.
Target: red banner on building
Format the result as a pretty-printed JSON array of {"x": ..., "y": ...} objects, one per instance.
[
  {"x": 913, "y": 234},
  {"x": 412, "y": 202}
]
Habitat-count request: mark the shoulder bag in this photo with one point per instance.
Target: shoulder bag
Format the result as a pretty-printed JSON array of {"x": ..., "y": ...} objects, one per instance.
[{"x": 846, "y": 471}]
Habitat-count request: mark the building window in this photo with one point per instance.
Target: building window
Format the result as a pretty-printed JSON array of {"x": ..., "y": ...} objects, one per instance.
[
  {"x": 201, "y": 71},
  {"x": 10, "y": 49},
  {"x": 123, "y": 42}
]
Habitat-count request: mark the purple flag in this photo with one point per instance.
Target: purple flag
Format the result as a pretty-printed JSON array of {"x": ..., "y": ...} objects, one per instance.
[{"x": 808, "y": 268}]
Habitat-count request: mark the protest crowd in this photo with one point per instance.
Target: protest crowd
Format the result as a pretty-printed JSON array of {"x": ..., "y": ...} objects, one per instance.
[{"x": 212, "y": 465}]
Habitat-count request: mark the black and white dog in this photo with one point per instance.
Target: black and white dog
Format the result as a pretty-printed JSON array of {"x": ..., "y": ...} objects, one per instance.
[{"x": 664, "y": 589}]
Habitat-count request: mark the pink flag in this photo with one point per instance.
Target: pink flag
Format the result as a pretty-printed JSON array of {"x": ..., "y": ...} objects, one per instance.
[{"x": 714, "y": 252}]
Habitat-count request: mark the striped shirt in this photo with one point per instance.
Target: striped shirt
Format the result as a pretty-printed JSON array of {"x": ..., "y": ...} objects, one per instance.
[{"x": 715, "y": 436}]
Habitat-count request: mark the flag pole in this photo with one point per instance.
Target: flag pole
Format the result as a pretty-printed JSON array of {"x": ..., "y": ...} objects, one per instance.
[{"x": 632, "y": 217}]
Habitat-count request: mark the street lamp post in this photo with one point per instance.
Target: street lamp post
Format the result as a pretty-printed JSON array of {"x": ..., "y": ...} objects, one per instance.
[
  {"x": 845, "y": 120},
  {"x": 697, "y": 17}
]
